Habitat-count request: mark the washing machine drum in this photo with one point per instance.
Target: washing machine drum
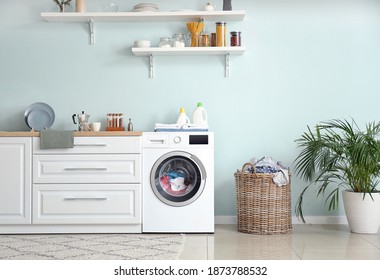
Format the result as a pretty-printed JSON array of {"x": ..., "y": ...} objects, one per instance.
[{"x": 178, "y": 178}]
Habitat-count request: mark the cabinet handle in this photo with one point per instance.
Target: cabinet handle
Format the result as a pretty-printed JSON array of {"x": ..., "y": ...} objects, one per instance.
[
  {"x": 85, "y": 168},
  {"x": 86, "y": 198},
  {"x": 91, "y": 145}
]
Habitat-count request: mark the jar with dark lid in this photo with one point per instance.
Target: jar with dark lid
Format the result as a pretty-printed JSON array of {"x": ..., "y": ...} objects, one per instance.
[
  {"x": 213, "y": 39},
  {"x": 235, "y": 39},
  {"x": 221, "y": 34}
]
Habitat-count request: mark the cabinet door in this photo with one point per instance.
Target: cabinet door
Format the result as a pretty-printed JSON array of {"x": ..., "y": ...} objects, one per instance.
[{"x": 15, "y": 180}]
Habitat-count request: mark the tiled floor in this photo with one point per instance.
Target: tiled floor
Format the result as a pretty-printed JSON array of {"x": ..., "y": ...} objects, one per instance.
[{"x": 305, "y": 242}]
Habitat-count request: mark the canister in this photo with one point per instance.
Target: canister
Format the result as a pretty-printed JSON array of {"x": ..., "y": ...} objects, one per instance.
[
  {"x": 213, "y": 39},
  {"x": 205, "y": 40},
  {"x": 235, "y": 40},
  {"x": 221, "y": 34}
]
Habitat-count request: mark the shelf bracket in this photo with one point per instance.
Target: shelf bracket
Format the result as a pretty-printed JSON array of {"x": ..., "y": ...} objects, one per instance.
[
  {"x": 151, "y": 66},
  {"x": 92, "y": 35},
  {"x": 227, "y": 66}
]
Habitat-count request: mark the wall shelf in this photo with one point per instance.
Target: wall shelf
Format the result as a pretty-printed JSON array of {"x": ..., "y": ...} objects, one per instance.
[
  {"x": 144, "y": 16},
  {"x": 189, "y": 51},
  {"x": 182, "y": 16}
]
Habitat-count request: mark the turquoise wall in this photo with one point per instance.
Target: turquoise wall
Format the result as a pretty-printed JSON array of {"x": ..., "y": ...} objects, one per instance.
[{"x": 306, "y": 61}]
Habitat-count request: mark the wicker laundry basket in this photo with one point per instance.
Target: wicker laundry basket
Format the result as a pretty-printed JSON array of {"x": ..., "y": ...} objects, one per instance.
[{"x": 262, "y": 206}]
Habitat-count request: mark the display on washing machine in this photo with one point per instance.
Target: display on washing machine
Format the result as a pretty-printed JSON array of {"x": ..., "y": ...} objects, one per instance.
[{"x": 177, "y": 180}]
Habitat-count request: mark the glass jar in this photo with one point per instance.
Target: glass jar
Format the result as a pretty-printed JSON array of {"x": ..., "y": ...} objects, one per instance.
[
  {"x": 178, "y": 40},
  {"x": 221, "y": 34},
  {"x": 165, "y": 42},
  {"x": 213, "y": 39},
  {"x": 204, "y": 40},
  {"x": 235, "y": 40}
]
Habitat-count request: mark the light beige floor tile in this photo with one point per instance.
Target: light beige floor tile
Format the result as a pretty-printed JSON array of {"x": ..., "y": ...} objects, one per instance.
[
  {"x": 309, "y": 242},
  {"x": 194, "y": 253},
  {"x": 195, "y": 247},
  {"x": 339, "y": 254}
]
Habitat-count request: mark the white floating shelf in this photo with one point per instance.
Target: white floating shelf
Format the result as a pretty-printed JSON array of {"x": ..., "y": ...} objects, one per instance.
[
  {"x": 189, "y": 51},
  {"x": 144, "y": 16}
]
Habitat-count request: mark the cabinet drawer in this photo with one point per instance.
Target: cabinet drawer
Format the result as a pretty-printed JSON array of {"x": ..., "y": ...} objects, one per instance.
[
  {"x": 86, "y": 168},
  {"x": 86, "y": 204},
  {"x": 95, "y": 145}
]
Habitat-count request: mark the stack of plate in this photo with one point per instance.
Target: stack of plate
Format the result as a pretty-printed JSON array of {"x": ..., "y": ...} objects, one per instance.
[
  {"x": 39, "y": 116},
  {"x": 145, "y": 7}
]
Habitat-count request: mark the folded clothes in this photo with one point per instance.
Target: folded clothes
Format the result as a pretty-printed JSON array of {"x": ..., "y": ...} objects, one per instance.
[{"x": 178, "y": 127}]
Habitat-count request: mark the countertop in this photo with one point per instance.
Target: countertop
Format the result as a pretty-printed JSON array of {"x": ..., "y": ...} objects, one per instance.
[{"x": 76, "y": 133}]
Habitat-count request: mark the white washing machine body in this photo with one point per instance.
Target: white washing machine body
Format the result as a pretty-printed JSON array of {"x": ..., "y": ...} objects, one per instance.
[{"x": 178, "y": 182}]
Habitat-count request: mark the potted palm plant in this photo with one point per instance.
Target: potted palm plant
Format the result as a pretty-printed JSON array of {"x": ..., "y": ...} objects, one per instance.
[{"x": 338, "y": 155}]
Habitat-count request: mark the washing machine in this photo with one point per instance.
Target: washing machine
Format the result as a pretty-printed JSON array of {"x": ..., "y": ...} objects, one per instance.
[{"x": 178, "y": 182}]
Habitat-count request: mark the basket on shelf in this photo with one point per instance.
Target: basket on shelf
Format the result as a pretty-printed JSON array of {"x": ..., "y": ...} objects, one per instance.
[{"x": 262, "y": 206}]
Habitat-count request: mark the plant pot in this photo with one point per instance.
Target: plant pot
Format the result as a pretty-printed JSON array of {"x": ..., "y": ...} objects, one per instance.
[{"x": 363, "y": 215}]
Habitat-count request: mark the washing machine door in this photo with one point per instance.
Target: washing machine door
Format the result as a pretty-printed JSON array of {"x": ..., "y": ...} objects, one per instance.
[{"x": 178, "y": 178}]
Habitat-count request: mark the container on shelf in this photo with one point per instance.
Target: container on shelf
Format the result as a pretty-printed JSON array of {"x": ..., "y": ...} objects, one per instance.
[
  {"x": 235, "y": 39},
  {"x": 221, "y": 34},
  {"x": 213, "y": 39},
  {"x": 80, "y": 6},
  {"x": 205, "y": 40},
  {"x": 178, "y": 40},
  {"x": 165, "y": 42}
]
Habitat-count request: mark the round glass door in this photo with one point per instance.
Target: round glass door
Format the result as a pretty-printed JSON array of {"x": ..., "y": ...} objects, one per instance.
[{"x": 178, "y": 178}]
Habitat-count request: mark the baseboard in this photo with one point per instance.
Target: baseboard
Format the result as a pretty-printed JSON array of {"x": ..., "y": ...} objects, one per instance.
[{"x": 342, "y": 220}]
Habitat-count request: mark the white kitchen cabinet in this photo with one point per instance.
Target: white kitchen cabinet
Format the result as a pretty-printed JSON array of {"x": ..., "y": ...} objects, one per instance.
[
  {"x": 15, "y": 180},
  {"x": 94, "y": 187},
  {"x": 98, "y": 182}
]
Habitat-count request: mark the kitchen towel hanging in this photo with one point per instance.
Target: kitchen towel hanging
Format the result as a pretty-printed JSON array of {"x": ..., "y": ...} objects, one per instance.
[{"x": 56, "y": 139}]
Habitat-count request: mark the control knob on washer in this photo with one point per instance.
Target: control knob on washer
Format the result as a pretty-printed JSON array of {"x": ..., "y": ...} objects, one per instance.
[{"x": 177, "y": 139}]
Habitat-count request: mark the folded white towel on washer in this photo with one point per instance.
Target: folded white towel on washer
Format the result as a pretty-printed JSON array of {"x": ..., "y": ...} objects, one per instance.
[{"x": 180, "y": 127}]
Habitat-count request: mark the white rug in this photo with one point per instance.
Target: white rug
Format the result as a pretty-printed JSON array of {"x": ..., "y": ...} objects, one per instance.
[{"x": 91, "y": 246}]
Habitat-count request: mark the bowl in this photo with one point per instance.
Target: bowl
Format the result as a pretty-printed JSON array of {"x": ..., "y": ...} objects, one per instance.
[
  {"x": 109, "y": 7},
  {"x": 142, "y": 44}
]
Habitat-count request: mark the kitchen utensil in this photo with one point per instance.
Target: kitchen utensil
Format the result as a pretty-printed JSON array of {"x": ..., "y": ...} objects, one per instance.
[
  {"x": 82, "y": 121},
  {"x": 39, "y": 116},
  {"x": 95, "y": 126},
  {"x": 209, "y": 7}
]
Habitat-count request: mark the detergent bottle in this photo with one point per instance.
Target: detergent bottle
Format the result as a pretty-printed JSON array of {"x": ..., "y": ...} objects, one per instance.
[
  {"x": 182, "y": 118},
  {"x": 200, "y": 115}
]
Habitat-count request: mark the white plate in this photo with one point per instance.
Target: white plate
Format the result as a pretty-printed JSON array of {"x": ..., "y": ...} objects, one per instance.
[
  {"x": 145, "y": 10},
  {"x": 39, "y": 116},
  {"x": 141, "y": 5}
]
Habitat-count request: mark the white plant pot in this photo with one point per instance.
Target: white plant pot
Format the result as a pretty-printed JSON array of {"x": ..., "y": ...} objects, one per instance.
[{"x": 363, "y": 215}]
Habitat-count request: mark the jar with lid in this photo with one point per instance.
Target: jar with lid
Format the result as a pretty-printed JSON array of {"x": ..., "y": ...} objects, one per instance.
[
  {"x": 235, "y": 40},
  {"x": 178, "y": 40},
  {"x": 221, "y": 34},
  {"x": 204, "y": 40},
  {"x": 165, "y": 42},
  {"x": 213, "y": 39}
]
